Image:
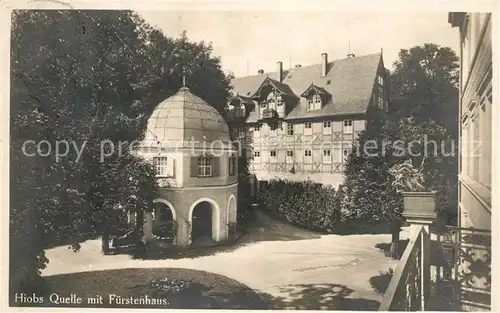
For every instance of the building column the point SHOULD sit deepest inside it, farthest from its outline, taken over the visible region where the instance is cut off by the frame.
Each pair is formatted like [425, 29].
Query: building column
[148, 226]
[182, 233]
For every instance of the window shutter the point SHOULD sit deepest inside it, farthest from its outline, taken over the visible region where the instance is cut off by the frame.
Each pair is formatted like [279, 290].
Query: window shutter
[216, 166]
[230, 165]
[235, 161]
[173, 167]
[194, 166]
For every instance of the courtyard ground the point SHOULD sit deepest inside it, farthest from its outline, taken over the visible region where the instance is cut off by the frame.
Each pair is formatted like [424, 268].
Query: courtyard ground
[287, 267]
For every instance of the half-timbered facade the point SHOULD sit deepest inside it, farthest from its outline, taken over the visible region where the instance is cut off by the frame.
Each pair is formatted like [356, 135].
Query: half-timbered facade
[301, 123]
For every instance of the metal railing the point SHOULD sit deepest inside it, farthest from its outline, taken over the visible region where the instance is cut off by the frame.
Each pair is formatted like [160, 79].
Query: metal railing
[409, 288]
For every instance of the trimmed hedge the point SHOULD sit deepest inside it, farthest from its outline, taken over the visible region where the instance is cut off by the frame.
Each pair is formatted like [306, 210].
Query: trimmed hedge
[305, 204]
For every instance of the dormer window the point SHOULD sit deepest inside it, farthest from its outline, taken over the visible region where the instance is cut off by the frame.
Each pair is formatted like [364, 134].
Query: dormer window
[310, 103]
[314, 102]
[239, 111]
[317, 102]
[316, 97]
[279, 101]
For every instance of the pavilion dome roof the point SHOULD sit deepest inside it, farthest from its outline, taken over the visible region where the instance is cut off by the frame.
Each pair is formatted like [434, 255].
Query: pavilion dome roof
[184, 118]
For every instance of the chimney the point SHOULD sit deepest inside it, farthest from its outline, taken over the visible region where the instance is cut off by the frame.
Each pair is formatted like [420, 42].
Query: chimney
[324, 64]
[279, 71]
[260, 71]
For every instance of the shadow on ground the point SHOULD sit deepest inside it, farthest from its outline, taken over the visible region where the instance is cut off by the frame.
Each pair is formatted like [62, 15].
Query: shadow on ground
[262, 228]
[386, 247]
[318, 297]
[380, 282]
[173, 288]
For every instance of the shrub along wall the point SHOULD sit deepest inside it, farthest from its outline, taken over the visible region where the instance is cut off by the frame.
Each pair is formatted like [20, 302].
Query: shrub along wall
[305, 204]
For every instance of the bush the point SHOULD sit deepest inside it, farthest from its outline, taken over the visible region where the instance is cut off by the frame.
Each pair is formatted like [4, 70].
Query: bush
[305, 204]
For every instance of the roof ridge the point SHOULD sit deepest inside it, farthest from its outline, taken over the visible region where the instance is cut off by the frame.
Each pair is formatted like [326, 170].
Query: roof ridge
[309, 65]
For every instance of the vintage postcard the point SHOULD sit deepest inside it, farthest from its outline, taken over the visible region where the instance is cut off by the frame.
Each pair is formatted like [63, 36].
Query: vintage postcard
[295, 155]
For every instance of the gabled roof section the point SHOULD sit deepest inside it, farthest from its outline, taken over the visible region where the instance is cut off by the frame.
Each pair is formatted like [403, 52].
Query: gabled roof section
[244, 100]
[349, 81]
[314, 89]
[280, 87]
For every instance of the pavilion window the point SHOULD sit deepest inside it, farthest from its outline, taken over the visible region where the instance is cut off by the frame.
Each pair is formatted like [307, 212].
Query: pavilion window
[161, 166]
[205, 166]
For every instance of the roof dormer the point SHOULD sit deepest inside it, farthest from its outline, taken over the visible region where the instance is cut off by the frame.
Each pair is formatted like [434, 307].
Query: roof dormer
[270, 85]
[316, 97]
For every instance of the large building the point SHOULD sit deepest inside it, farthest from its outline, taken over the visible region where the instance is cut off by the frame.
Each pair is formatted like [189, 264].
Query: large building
[476, 103]
[300, 123]
[189, 144]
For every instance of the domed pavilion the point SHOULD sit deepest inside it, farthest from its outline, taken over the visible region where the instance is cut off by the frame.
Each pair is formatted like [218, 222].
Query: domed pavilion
[195, 161]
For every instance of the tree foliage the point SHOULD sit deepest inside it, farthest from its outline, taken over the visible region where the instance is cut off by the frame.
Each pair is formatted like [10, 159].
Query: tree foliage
[305, 204]
[368, 194]
[424, 85]
[88, 77]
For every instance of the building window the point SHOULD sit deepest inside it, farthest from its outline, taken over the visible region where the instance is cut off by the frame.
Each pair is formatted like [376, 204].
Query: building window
[327, 124]
[273, 127]
[289, 153]
[241, 131]
[257, 128]
[279, 101]
[317, 102]
[345, 154]
[310, 103]
[232, 165]
[308, 125]
[289, 129]
[327, 156]
[256, 154]
[307, 153]
[205, 166]
[273, 153]
[347, 127]
[380, 80]
[161, 166]
[314, 102]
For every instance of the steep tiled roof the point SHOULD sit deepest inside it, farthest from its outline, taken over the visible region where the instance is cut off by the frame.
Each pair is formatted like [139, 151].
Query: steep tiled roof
[349, 81]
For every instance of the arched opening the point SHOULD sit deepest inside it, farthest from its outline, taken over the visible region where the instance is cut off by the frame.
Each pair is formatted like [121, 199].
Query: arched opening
[163, 221]
[204, 218]
[232, 214]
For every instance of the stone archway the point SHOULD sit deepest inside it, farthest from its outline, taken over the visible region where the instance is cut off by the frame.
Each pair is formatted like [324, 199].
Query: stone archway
[164, 220]
[204, 217]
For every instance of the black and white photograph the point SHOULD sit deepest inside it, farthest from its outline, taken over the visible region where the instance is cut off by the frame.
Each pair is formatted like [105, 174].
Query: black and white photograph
[298, 155]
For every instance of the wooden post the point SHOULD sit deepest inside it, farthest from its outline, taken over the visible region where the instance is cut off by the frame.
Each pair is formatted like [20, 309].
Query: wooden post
[425, 268]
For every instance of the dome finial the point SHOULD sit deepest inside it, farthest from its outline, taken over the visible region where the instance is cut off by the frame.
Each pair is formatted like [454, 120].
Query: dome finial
[184, 88]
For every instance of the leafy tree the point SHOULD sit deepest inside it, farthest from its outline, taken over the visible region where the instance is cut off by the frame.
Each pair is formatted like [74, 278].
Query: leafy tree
[367, 196]
[434, 147]
[85, 77]
[424, 85]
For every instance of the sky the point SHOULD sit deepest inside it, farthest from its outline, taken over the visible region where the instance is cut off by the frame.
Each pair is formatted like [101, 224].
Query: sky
[247, 41]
